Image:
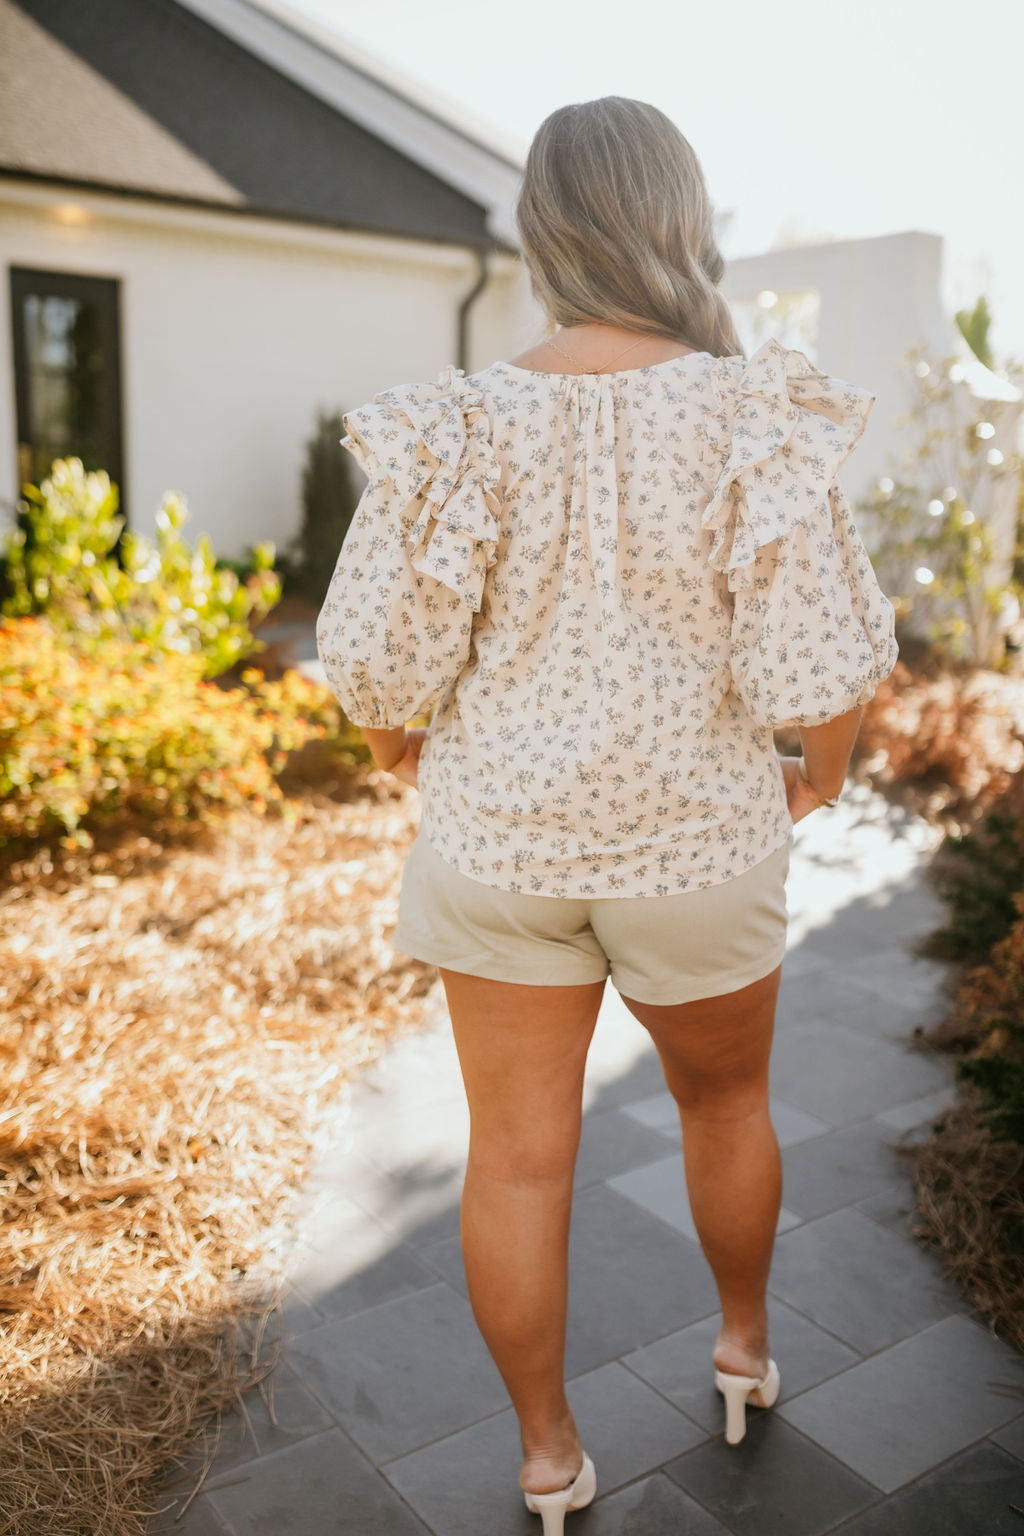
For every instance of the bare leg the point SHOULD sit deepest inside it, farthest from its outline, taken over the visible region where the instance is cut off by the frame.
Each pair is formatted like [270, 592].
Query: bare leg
[522, 1050]
[715, 1056]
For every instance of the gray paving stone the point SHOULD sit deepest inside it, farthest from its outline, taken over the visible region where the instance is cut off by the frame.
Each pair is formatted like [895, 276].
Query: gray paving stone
[339, 1172]
[1011, 1437]
[801, 959]
[899, 1414]
[641, 1078]
[612, 1142]
[445, 1258]
[200, 1519]
[347, 1261]
[661, 1113]
[444, 1224]
[859, 1281]
[842, 1075]
[309, 1489]
[296, 1314]
[840, 1167]
[972, 1495]
[403, 1373]
[794, 1125]
[418, 1065]
[631, 1278]
[919, 1112]
[660, 1188]
[654, 1507]
[774, 1483]
[894, 1207]
[417, 1205]
[917, 982]
[680, 1366]
[280, 1412]
[433, 1135]
[903, 912]
[820, 996]
[467, 1483]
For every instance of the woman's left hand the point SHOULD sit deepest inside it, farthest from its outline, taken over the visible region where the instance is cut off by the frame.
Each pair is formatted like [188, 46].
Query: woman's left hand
[407, 767]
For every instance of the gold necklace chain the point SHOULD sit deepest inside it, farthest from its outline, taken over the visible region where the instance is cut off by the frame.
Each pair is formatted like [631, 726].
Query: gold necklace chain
[607, 365]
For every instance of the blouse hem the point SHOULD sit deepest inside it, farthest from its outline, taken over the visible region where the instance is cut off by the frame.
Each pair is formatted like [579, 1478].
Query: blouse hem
[577, 895]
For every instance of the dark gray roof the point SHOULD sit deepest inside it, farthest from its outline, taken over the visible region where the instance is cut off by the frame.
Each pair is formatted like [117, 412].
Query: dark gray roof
[143, 96]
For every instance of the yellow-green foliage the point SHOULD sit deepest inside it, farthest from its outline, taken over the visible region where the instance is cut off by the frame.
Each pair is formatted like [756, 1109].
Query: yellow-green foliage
[87, 735]
[61, 561]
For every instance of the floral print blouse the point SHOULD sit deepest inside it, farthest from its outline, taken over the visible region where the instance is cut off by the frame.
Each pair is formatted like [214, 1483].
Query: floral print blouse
[614, 587]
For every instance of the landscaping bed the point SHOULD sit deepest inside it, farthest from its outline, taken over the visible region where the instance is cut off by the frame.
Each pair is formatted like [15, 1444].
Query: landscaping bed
[182, 1005]
[949, 742]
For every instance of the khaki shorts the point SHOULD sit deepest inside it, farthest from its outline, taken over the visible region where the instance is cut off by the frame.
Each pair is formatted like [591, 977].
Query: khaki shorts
[657, 949]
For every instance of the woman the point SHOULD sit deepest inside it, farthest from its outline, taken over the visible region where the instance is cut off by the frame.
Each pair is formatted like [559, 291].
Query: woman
[619, 561]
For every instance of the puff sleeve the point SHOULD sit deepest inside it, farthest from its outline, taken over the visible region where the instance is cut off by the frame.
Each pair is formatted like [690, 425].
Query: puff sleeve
[812, 633]
[394, 630]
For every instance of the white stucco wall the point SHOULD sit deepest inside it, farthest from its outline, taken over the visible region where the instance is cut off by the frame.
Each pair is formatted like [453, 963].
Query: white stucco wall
[234, 332]
[878, 299]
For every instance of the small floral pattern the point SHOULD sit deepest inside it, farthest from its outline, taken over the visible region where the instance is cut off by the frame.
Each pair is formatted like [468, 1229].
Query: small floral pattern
[614, 586]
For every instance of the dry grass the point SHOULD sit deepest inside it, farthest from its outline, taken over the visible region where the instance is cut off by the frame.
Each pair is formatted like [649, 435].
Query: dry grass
[177, 1019]
[970, 1194]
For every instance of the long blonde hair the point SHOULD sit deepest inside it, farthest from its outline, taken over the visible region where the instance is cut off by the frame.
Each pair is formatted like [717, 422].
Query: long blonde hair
[616, 225]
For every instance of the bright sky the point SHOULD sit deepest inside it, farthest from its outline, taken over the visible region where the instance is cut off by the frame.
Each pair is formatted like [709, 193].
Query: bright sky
[811, 118]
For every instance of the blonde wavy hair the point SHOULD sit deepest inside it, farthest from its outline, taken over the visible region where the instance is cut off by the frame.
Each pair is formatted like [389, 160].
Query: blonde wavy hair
[616, 225]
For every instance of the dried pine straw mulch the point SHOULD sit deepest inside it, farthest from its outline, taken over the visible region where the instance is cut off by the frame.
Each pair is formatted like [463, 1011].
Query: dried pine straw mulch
[176, 1021]
[970, 1196]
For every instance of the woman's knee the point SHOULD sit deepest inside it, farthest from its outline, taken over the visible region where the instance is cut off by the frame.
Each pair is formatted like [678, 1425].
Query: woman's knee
[724, 1104]
[525, 1160]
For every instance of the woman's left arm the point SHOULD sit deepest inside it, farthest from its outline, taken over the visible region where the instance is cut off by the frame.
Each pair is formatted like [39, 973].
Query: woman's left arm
[396, 626]
[390, 638]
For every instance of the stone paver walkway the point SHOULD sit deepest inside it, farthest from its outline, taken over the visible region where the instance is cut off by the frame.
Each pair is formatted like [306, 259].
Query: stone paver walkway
[898, 1413]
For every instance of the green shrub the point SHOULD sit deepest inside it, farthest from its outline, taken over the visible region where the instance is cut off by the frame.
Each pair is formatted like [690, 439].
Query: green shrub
[982, 874]
[329, 498]
[71, 558]
[88, 736]
[938, 558]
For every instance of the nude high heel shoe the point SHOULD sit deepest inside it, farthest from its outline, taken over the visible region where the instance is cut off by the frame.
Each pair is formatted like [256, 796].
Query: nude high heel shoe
[552, 1506]
[737, 1389]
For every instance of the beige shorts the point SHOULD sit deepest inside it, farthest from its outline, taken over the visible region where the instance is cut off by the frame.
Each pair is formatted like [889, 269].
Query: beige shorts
[657, 949]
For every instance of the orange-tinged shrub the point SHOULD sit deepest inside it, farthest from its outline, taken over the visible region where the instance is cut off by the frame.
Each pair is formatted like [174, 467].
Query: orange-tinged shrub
[86, 735]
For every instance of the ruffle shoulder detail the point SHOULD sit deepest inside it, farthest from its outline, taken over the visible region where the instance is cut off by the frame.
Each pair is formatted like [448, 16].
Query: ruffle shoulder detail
[433, 442]
[788, 428]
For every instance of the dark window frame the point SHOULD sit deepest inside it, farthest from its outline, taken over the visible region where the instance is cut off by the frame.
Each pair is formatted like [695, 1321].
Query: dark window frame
[105, 294]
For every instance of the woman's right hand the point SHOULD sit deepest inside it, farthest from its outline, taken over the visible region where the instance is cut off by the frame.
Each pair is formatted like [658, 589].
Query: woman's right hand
[800, 797]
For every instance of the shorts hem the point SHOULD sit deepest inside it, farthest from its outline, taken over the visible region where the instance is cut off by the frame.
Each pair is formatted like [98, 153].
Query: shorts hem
[485, 965]
[704, 986]
[488, 968]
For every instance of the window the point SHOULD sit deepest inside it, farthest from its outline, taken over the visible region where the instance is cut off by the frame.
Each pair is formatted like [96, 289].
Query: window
[67, 373]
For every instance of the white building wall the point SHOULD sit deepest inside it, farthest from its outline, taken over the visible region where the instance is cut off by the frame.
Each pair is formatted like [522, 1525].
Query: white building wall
[877, 299]
[235, 331]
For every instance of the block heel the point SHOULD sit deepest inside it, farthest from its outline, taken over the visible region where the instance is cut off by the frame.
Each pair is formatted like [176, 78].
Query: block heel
[737, 1390]
[552, 1507]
